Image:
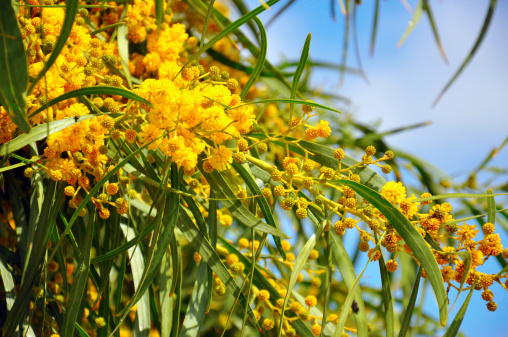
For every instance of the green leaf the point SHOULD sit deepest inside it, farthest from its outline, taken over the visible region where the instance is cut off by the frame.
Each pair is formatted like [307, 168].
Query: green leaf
[491, 207]
[103, 29]
[262, 202]
[123, 47]
[165, 297]
[483, 32]
[426, 6]
[137, 264]
[409, 310]
[209, 255]
[472, 217]
[235, 206]
[343, 261]
[8, 284]
[219, 17]
[467, 258]
[71, 10]
[95, 90]
[36, 201]
[300, 262]
[80, 283]
[287, 100]
[95, 189]
[13, 67]
[488, 195]
[412, 24]
[374, 28]
[412, 238]
[80, 330]
[387, 298]
[207, 21]
[299, 72]
[344, 311]
[177, 294]
[38, 133]
[457, 321]
[198, 305]
[45, 225]
[230, 28]
[160, 239]
[260, 62]
[159, 12]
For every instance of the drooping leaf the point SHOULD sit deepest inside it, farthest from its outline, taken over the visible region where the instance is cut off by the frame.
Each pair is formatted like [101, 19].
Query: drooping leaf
[285, 100]
[45, 225]
[409, 310]
[300, 262]
[412, 24]
[491, 207]
[343, 261]
[262, 202]
[428, 10]
[299, 72]
[209, 255]
[260, 62]
[229, 29]
[235, 206]
[79, 284]
[95, 90]
[457, 321]
[412, 238]
[197, 306]
[483, 32]
[39, 132]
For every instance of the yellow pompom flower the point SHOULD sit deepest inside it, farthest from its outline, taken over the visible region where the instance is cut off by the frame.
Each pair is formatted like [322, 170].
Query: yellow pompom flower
[394, 192]
[221, 158]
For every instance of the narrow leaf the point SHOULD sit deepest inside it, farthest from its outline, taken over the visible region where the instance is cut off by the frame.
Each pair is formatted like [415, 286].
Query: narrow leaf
[412, 238]
[299, 72]
[230, 28]
[457, 321]
[491, 207]
[95, 90]
[426, 6]
[39, 132]
[209, 255]
[386, 293]
[300, 262]
[408, 313]
[197, 306]
[260, 62]
[79, 284]
[262, 202]
[207, 21]
[483, 32]
[286, 100]
[137, 264]
[235, 206]
[343, 261]
[375, 23]
[412, 24]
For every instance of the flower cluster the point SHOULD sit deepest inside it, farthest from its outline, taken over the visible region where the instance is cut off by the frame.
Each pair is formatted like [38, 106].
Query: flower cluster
[146, 101]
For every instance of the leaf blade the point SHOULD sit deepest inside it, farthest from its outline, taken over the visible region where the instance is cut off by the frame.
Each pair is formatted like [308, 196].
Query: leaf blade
[412, 238]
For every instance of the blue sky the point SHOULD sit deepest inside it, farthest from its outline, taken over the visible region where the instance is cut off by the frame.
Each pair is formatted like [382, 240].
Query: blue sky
[469, 121]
